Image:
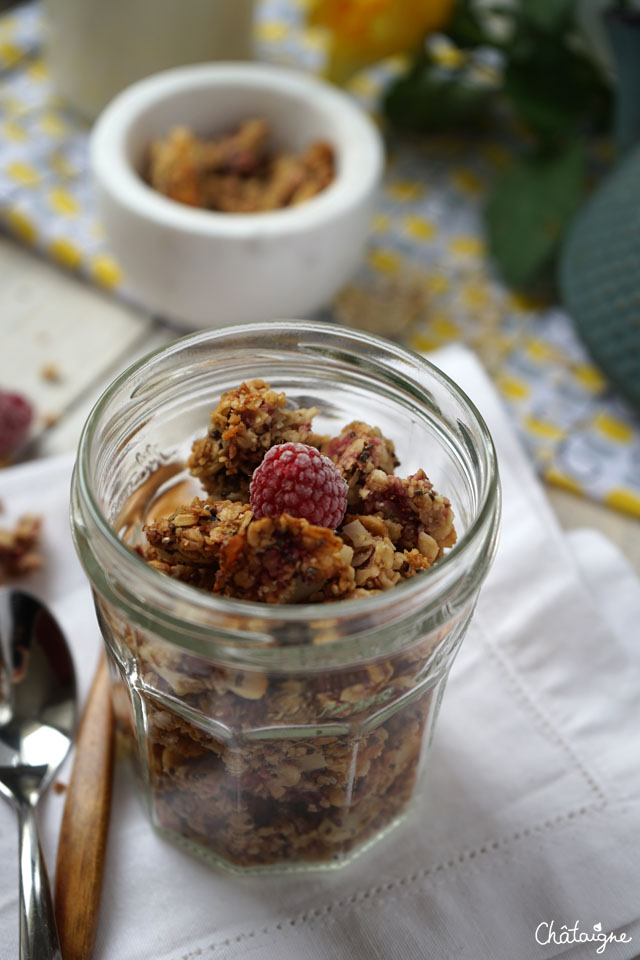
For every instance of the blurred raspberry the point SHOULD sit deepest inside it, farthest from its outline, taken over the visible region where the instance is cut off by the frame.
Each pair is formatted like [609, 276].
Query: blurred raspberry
[296, 479]
[15, 419]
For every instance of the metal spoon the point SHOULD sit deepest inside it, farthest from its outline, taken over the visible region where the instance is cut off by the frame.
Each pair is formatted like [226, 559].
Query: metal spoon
[37, 717]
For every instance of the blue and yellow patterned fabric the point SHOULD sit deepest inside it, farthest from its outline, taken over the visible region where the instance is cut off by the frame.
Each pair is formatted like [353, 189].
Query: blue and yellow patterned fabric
[426, 278]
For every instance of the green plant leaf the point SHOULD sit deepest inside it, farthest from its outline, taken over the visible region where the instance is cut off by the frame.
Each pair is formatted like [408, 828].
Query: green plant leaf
[557, 91]
[428, 99]
[465, 27]
[549, 15]
[529, 209]
[538, 100]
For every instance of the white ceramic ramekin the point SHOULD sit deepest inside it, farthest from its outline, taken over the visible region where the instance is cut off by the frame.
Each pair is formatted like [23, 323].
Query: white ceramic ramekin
[202, 268]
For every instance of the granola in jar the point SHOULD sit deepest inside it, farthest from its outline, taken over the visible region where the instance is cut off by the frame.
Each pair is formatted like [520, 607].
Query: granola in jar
[262, 766]
[395, 527]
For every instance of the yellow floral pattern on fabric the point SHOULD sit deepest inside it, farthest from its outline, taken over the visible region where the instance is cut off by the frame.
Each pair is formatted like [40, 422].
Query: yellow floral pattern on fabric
[425, 278]
[613, 428]
[65, 253]
[562, 480]
[512, 388]
[63, 202]
[23, 228]
[23, 172]
[106, 271]
[621, 499]
[420, 228]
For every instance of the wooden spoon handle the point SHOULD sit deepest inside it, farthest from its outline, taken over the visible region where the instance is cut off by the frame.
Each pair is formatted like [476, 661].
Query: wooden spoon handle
[85, 824]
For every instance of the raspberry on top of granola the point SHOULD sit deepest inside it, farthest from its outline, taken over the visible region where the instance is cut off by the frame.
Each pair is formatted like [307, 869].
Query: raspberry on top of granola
[295, 478]
[394, 529]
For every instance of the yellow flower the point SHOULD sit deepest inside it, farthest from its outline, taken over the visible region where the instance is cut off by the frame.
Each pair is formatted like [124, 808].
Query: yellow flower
[363, 31]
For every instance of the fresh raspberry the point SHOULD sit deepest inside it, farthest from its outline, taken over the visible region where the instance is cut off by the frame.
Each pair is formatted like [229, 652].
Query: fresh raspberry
[15, 419]
[296, 479]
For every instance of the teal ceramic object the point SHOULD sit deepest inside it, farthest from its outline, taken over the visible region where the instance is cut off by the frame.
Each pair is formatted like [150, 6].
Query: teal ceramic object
[600, 276]
[600, 263]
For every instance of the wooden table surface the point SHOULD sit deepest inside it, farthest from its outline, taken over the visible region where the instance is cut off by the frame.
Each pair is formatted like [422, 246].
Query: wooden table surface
[51, 321]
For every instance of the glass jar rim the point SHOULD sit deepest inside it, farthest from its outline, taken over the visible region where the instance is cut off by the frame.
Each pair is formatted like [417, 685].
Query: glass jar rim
[418, 592]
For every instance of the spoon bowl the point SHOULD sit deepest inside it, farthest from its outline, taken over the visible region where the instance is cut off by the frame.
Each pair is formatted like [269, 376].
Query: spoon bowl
[38, 706]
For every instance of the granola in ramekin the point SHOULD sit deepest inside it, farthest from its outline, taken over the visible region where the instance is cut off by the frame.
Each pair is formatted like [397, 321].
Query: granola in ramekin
[238, 172]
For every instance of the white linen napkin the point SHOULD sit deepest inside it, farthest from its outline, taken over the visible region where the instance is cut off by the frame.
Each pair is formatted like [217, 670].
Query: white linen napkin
[531, 810]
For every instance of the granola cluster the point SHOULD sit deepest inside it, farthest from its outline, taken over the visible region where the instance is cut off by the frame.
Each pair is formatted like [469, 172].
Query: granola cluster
[261, 766]
[19, 548]
[245, 424]
[395, 527]
[237, 172]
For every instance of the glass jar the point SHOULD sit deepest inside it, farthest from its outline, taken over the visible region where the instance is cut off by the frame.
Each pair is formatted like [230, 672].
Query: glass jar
[278, 736]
